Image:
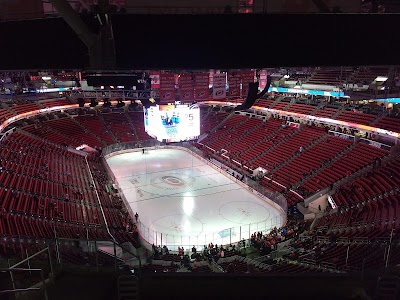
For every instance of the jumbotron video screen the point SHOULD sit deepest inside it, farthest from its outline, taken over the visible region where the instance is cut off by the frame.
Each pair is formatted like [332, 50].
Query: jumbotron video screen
[172, 123]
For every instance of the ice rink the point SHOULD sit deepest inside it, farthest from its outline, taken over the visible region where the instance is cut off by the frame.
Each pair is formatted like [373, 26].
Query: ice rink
[183, 201]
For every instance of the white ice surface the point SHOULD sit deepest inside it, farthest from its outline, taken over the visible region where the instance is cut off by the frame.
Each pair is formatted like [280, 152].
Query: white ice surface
[181, 201]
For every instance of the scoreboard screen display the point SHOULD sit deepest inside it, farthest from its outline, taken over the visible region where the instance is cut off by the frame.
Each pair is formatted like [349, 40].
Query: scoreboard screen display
[172, 123]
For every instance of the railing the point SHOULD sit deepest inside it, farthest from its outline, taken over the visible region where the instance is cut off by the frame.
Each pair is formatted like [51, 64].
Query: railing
[112, 94]
[179, 9]
[34, 113]
[224, 237]
[227, 236]
[317, 195]
[342, 135]
[375, 144]
[62, 253]
[127, 147]
[7, 133]
[15, 289]
[27, 266]
[98, 199]
[117, 253]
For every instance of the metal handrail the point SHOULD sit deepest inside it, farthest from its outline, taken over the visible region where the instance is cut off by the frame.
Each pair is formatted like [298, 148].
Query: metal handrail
[114, 244]
[19, 290]
[128, 251]
[14, 267]
[28, 258]
[19, 269]
[98, 199]
[14, 290]
[5, 134]
[131, 253]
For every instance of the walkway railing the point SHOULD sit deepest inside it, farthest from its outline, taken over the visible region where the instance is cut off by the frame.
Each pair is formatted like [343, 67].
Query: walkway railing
[62, 253]
[17, 289]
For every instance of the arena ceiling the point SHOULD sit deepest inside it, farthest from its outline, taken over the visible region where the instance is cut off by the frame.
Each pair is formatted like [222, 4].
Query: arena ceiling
[210, 41]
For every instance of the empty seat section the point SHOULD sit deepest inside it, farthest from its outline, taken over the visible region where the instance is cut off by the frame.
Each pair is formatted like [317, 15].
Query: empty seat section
[356, 117]
[97, 127]
[137, 119]
[357, 158]
[69, 128]
[120, 126]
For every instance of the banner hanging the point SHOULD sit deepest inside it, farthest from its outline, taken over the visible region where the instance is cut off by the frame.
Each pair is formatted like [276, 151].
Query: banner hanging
[247, 77]
[219, 86]
[263, 79]
[234, 85]
[167, 88]
[186, 87]
[155, 80]
[202, 88]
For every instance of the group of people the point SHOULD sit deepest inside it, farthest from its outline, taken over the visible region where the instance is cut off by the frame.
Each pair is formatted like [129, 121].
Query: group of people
[264, 242]
[159, 251]
[269, 242]
[209, 252]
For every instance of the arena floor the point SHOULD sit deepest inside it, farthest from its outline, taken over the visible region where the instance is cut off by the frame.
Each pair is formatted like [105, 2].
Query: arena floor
[183, 201]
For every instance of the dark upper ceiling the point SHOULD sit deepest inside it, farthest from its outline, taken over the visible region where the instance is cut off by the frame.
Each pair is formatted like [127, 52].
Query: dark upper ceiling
[210, 41]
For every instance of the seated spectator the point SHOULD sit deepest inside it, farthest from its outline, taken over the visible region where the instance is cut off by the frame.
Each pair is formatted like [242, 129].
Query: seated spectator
[230, 268]
[293, 256]
[165, 249]
[251, 269]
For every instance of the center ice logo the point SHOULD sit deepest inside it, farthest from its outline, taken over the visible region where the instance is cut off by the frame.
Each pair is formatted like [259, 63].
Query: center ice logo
[170, 182]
